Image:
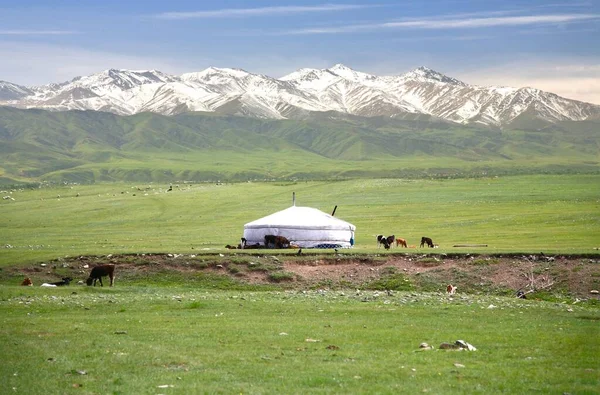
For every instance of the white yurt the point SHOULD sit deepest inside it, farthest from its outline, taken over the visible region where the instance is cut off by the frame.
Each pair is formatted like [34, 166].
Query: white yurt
[305, 227]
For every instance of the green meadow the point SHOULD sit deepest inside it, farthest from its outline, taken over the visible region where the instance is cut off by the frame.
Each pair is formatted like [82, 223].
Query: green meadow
[549, 213]
[177, 340]
[158, 335]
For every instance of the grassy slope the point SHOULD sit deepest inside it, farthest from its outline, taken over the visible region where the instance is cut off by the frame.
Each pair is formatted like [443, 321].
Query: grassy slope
[87, 146]
[554, 214]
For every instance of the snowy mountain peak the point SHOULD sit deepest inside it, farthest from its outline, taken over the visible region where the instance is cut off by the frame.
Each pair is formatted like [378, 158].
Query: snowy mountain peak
[425, 74]
[213, 73]
[340, 68]
[349, 74]
[10, 91]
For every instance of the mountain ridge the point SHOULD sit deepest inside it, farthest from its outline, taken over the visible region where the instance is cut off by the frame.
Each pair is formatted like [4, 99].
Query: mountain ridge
[95, 146]
[339, 88]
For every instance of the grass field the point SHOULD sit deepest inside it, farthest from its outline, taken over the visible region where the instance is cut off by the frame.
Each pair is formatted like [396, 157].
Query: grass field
[556, 214]
[134, 339]
[157, 334]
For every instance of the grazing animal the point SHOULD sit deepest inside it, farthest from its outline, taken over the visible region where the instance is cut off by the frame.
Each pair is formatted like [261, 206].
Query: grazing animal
[27, 282]
[401, 242]
[277, 242]
[390, 240]
[521, 295]
[243, 243]
[380, 239]
[426, 240]
[64, 281]
[101, 271]
[450, 289]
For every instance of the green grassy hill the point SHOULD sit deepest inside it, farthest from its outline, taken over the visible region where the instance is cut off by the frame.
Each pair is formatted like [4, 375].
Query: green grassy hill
[89, 146]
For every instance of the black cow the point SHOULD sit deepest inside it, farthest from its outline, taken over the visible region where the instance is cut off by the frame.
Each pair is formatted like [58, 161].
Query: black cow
[278, 242]
[101, 271]
[64, 281]
[426, 240]
[390, 240]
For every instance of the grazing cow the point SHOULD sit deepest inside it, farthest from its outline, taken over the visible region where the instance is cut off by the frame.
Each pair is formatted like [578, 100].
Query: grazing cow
[390, 240]
[383, 241]
[64, 281]
[101, 271]
[450, 289]
[277, 242]
[426, 240]
[401, 242]
[27, 282]
[521, 294]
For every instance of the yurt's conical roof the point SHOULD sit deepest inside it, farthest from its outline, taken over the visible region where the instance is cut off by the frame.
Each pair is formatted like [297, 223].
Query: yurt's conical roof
[301, 218]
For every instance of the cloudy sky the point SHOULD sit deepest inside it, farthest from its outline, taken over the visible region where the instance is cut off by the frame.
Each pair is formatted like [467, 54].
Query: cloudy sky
[550, 45]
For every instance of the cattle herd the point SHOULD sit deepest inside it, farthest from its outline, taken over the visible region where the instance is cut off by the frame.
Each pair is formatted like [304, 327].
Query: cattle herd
[389, 241]
[281, 242]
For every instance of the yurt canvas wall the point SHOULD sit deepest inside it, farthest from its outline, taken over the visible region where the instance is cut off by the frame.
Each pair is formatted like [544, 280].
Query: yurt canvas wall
[303, 226]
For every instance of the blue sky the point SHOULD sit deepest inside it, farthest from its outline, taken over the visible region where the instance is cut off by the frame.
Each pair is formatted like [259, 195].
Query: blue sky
[551, 45]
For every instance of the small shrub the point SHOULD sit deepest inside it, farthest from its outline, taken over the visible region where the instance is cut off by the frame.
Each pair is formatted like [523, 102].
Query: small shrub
[194, 305]
[200, 265]
[429, 262]
[390, 270]
[483, 262]
[262, 267]
[281, 276]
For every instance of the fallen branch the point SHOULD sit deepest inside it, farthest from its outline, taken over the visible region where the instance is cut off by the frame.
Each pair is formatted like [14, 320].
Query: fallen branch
[536, 283]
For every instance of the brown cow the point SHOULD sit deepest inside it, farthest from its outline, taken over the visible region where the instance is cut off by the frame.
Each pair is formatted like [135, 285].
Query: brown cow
[27, 282]
[401, 242]
[101, 271]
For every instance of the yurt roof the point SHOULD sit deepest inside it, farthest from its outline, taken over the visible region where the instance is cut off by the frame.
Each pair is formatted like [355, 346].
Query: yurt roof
[296, 217]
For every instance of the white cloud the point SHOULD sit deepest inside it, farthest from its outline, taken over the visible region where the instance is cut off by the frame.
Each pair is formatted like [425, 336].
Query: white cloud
[444, 22]
[261, 11]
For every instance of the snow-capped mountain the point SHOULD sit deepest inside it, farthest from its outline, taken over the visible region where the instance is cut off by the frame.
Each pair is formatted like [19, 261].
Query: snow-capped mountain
[9, 91]
[339, 88]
